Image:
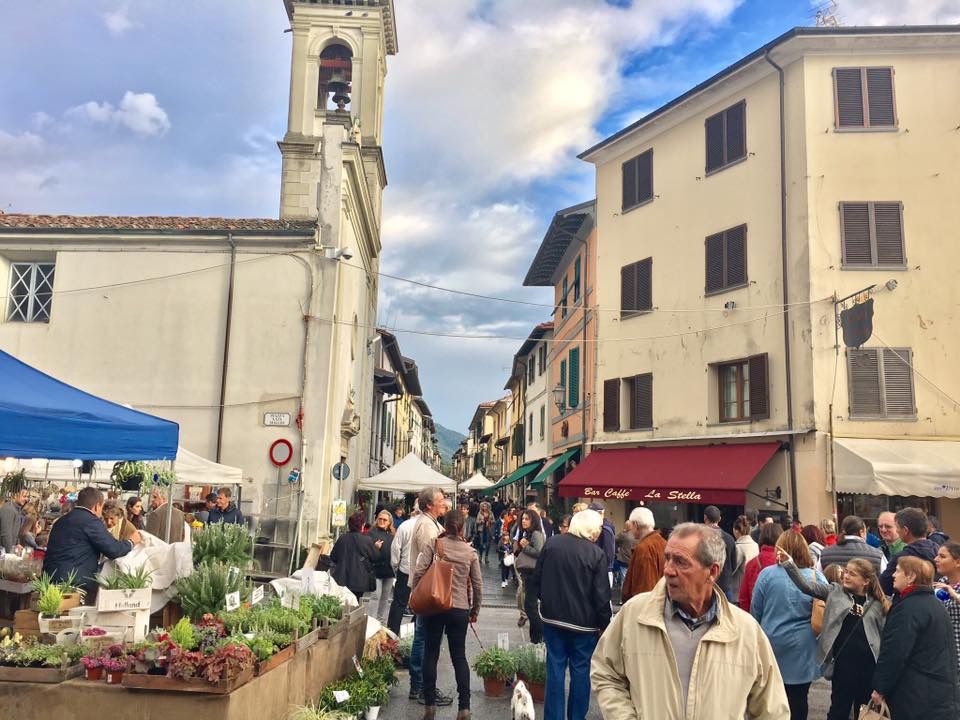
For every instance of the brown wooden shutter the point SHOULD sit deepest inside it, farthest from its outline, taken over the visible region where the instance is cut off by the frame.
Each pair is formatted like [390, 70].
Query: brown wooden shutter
[898, 383]
[855, 234]
[645, 284]
[611, 405]
[880, 97]
[645, 176]
[714, 141]
[865, 397]
[628, 290]
[736, 132]
[736, 256]
[630, 183]
[714, 262]
[848, 91]
[759, 387]
[641, 410]
[888, 228]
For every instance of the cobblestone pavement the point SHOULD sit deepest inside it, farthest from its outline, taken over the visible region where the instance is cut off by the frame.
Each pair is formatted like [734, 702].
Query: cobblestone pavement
[499, 615]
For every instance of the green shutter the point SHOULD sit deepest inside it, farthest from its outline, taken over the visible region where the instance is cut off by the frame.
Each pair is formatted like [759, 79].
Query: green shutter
[573, 391]
[563, 298]
[576, 280]
[563, 373]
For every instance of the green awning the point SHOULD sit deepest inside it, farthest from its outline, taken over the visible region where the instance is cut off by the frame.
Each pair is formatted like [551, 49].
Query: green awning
[550, 468]
[516, 476]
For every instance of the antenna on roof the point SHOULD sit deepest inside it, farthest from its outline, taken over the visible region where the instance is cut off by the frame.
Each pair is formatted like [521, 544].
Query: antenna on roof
[827, 14]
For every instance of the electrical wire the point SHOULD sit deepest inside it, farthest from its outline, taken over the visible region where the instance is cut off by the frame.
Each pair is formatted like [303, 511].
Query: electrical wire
[213, 407]
[917, 372]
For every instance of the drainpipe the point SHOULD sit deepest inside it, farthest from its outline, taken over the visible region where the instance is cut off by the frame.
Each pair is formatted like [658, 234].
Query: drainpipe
[785, 280]
[226, 344]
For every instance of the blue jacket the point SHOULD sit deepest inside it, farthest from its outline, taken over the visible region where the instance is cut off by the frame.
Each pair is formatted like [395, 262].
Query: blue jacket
[77, 540]
[607, 541]
[784, 614]
[231, 516]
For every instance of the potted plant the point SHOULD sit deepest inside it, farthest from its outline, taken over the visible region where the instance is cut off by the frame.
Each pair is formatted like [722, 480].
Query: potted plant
[377, 694]
[532, 669]
[495, 666]
[114, 667]
[92, 667]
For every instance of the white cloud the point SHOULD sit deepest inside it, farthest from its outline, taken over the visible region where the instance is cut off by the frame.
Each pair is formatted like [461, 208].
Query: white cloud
[139, 112]
[26, 145]
[898, 12]
[41, 120]
[118, 22]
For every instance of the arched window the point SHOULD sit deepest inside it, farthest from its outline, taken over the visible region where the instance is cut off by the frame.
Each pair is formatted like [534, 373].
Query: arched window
[336, 71]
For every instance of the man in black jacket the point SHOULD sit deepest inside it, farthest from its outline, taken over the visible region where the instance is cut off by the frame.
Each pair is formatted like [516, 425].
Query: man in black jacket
[78, 539]
[711, 518]
[912, 528]
[574, 591]
[225, 511]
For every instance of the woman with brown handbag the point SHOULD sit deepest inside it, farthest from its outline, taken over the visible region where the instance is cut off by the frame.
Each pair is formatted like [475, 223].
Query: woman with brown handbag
[467, 592]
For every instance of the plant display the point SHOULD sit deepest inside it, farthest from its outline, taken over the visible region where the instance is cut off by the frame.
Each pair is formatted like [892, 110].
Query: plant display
[137, 580]
[115, 664]
[49, 601]
[185, 665]
[44, 582]
[210, 630]
[315, 712]
[93, 632]
[404, 650]
[183, 635]
[149, 657]
[364, 694]
[224, 543]
[134, 475]
[326, 607]
[495, 664]
[382, 669]
[270, 615]
[204, 591]
[13, 482]
[33, 654]
[91, 662]
[227, 662]
[531, 663]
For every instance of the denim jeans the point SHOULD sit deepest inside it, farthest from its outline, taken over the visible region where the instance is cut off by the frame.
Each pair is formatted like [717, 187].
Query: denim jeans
[566, 648]
[416, 652]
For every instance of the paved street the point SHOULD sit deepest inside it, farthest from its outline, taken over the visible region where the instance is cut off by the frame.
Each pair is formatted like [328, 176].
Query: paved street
[499, 616]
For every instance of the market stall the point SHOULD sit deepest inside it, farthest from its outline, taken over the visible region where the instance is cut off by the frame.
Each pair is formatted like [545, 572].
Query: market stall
[410, 475]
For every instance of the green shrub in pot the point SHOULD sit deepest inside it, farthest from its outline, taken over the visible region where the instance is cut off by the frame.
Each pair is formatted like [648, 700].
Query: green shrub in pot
[531, 663]
[495, 664]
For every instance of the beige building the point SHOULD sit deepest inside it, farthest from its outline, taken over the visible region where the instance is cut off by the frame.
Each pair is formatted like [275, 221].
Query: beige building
[729, 222]
[244, 331]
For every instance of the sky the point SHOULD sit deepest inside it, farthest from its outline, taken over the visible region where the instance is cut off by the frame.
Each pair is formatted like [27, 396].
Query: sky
[156, 107]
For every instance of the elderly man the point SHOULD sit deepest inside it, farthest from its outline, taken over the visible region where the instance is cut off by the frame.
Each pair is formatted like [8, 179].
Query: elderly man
[890, 542]
[11, 518]
[157, 519]
[912, 528]
[570, 581]
[646, 561]
[644, 664]
[77, 541]
[426, 529]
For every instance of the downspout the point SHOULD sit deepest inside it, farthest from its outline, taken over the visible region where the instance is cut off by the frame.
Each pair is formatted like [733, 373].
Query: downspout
[791, 449]
[226, 344]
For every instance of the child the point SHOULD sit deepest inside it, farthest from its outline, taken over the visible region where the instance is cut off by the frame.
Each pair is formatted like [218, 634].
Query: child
[504, 547]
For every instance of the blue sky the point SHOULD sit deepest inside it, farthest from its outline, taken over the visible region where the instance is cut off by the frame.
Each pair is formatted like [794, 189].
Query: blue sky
[173, 108]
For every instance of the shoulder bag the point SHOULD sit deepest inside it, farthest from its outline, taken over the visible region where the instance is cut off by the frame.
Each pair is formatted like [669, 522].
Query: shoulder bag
[816, 611]
[434, 591]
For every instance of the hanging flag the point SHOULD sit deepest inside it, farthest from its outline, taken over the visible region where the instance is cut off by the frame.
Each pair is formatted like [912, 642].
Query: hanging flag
[857, 323]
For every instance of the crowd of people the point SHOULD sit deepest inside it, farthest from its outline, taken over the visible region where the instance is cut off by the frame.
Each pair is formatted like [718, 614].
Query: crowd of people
[73, 532]
[710, 624]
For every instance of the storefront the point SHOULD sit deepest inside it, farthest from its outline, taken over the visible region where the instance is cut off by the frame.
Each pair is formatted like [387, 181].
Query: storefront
[874, 476]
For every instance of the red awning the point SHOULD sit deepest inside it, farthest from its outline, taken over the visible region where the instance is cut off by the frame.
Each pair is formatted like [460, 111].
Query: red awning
[705, 474]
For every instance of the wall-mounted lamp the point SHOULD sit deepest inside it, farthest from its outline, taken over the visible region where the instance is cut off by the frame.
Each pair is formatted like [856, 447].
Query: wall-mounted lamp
[559, 396]
[891, 284]
[337, 253]
[730, 305]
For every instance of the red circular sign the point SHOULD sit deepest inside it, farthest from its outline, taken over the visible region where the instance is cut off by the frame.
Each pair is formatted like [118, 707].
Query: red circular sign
[281, 452]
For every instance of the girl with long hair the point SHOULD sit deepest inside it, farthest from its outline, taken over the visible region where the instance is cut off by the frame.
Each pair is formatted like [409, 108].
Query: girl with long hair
[849, 641]
[527, 550]
[948, 567]
[135, 512]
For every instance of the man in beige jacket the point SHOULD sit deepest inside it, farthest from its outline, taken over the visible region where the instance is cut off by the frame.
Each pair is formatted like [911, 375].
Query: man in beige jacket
[682, 651]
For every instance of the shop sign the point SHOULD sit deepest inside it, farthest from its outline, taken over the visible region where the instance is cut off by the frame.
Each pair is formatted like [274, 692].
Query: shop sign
[651, 494]
[339, 513]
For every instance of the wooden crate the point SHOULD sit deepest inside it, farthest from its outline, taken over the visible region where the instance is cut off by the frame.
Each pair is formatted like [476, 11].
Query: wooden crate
[327, 631]
[307, 640]
[40, 675]
[276, 659]
[134, 681]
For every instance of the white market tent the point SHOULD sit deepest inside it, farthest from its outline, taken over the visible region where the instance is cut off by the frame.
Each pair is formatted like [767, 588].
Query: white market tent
[410, 475]
[476, 482]
[192, 469]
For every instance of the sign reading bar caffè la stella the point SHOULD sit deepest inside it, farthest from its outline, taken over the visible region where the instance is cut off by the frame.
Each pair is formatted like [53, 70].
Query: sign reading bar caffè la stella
[645, 494]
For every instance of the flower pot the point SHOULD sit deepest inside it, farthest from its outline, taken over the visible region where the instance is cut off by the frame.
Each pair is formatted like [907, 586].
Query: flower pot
[114, 678]
[537, 689]
[93, 673]
[372, 712]
[494, 688]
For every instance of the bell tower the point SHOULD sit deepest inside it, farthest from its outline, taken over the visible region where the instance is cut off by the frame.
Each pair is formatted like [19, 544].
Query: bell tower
[337, 72]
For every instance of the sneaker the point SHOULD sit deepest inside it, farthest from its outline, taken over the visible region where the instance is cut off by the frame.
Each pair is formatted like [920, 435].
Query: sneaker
[415, 693]
[440, 701]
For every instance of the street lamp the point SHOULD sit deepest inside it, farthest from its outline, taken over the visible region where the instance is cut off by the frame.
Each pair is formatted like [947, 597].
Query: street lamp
[559, 395]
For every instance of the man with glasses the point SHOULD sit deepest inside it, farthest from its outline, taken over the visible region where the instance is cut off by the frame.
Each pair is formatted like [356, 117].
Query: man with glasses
[890, 542]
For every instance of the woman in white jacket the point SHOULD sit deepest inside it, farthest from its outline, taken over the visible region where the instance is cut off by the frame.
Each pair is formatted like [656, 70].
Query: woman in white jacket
[747, 550]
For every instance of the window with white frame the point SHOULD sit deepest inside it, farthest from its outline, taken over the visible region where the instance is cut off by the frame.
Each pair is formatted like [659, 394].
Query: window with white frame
[31, 292]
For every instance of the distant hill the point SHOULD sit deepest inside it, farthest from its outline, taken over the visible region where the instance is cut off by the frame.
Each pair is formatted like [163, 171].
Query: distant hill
[449, 441]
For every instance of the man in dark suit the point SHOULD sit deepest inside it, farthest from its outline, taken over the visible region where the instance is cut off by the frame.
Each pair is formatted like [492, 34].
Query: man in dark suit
[78, 539]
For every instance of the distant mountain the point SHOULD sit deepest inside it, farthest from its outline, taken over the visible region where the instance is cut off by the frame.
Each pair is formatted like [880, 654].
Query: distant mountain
[449, 441]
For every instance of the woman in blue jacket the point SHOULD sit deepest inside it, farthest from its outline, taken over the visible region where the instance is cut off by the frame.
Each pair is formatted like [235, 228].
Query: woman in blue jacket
[783, 612]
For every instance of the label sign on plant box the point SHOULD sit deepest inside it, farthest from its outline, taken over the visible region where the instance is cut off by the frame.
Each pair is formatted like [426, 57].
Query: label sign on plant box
[503, 641]
[233, 601]
[341, 696]
[257, 595]
[117, 600]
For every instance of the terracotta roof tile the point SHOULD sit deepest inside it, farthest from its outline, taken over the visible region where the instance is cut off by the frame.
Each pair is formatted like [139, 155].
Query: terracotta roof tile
[140, 223]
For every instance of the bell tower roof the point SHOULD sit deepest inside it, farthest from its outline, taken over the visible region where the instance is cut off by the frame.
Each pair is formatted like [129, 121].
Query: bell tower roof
[386, 8]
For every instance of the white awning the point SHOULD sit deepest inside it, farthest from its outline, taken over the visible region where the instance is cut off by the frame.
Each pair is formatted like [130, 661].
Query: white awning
[410, 475]
[925, 468]
[476, 482]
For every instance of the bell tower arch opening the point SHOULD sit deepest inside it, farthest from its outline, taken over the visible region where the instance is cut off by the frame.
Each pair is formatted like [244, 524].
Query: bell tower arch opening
[336, 77]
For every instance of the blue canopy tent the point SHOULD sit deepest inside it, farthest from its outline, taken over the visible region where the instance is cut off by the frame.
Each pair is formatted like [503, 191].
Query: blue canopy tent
[42, 417]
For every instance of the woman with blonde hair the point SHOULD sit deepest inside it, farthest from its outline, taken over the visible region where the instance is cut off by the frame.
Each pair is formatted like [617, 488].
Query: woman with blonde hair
[382, 569]
[783, 612]
[916, 670]
[849, 641]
